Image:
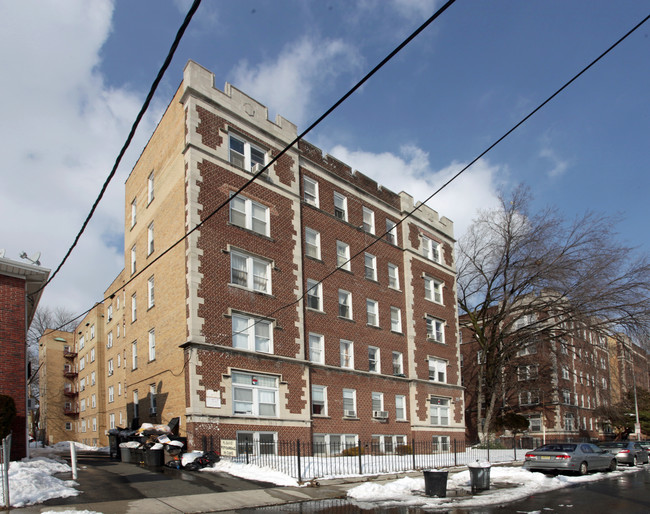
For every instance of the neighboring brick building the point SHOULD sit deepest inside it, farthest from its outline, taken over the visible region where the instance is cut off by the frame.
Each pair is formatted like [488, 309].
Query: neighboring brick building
[18, 302]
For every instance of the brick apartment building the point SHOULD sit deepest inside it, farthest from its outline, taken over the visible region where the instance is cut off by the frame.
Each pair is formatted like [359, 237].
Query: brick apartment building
[18, 301]
[232, 331]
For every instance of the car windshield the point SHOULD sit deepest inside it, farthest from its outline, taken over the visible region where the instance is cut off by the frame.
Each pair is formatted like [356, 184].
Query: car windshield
[556, 448]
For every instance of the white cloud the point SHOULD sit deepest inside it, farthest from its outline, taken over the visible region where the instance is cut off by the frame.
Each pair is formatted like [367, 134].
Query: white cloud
[559, 166]
[411, 172]
[415, 9]
[288, 84]
[60, 132]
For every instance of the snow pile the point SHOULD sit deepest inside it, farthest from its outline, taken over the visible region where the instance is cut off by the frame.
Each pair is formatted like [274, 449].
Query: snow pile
[31, 481]
[252, 472]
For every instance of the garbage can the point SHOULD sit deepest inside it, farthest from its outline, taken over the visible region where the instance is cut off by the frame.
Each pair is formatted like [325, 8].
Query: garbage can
[113, 441]
[479, 476]
[153, 458]
[125, 453]
[435, 483]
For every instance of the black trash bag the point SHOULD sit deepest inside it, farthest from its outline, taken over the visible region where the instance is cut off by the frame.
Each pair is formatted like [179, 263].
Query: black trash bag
[207, 459]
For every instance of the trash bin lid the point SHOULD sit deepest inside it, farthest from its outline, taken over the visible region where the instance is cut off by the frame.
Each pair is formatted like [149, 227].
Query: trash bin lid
[477, 464]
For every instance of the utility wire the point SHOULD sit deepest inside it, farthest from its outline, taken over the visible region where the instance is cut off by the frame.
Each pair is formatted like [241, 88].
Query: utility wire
[145, 106]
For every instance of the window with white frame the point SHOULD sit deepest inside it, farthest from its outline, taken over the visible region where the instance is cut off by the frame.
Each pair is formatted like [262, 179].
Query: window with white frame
[253, 334]
[319, 400]
[133, 212]
[94, 424]
[393, 276]
[68, 425]
[377, 400]
[133, 260]
[93, 401]
[340, 206]
[92, 355]
[437, 370]
[150, 293]
[119, 359]
[368, 220]
[92, 332]
[439, 411]
[111, 394]
[134, 355]
[150, 190]
[111, 421]
[372, 312]
[250, 215]
[350, 403]
[400, 407]
[312, 243]
[535, 423]
[134, 307]
[569, 421]
[566, 397]
[345, 304]
[109, 313]
[374, 364]
[435, 329]
[433, 289]
[565, 373]
[333, 444]
[82, 363]
[528, 348]
[347, 354]
[152, 399]
[316, 353]
[83, 405]
[82, 384]
[527, 372]
[253, 273]
[254, 395]
[119, 389]
[440, 443]
[431, 249]
[152, 345]
[83, 425]
[398, 363]
[110, 367]
[396, 319]
[109, 340]
[150, 239]
[391, 231]
[370, 265]
[310, 191]
[528, 397]
[343, 255]
[82, 342]
[245, 155]
[136, 404]
[314, 295]
[93, 378]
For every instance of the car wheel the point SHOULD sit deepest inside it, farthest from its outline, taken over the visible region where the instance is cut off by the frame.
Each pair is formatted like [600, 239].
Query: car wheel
[612, 465]
[582, 470]
[634, 462]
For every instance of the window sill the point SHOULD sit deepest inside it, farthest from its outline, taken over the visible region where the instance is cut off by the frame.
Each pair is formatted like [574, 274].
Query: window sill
[398, 332]
[312, 258]
[343, 318]
[374, 280]
[431, 340]
[373, 326]
[321, 416]
[242, 288]
[350, 418]
[252, 232]
[317, 311]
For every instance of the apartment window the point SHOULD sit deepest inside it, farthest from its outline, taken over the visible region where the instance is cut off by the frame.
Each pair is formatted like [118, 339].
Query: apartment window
[254, 395]
[82, 342]
[150, 188]
[310, 191]
[347, 354]
[250, 272]
[111, 421]
[372, 312]
[377, 400]
[400, 407]
[393, 276]
[568, 422]
[396, 319]
[398, 363]
[534, 423]
[566, 397]
[133, 264]
[92, 332]
[437, 370]
[340, 206]
[93, 378]
[430, 249]
[528, 372]
[150, 291]
[82, 363]
[152, 345]
[350, 403]
[150, 245]
[433, 289]
[245, 155]
[439, 411]
[109, 313]
[250, 215]
[94, 424]
[83, 405]
[312, 243]
[119, 389]
[110, 367]
[528, 397]
[319, 400]
[441, 443]
[345, 304]
[314, 295]
[253, 334]
[111, 394]
[83, 425]
[136, 404]
[133, 213]
[109, 340]
[152, 399]
[370, 263]
[368, 220]
[93, 401]
[119, 360]
[92, 355]
[374, 365]
[391, 231]
[343, 255]
[134, 355]
[435, 329]
[68, 425]
[528, 348]
[316, 348]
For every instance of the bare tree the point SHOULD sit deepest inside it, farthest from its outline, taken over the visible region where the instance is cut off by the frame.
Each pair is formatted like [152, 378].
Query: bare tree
[524, 276]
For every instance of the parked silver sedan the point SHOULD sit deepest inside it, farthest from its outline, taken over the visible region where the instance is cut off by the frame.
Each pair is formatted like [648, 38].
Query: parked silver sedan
[573, 457]
[627, 452]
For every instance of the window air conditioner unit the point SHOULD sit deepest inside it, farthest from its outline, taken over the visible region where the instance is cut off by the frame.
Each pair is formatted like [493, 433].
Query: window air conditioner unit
[350, 413]
[257, 168]
[380, 414]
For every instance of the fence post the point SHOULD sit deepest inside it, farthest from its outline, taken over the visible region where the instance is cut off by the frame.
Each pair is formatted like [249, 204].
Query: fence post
[73, 459]
[455, 454]
[413, 451]
[298, 455]
[515, 446]
[360, 463]
[6, 457]
[488, 447]
[247, 450]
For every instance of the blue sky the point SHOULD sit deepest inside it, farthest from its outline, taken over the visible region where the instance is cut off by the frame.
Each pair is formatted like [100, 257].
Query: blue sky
[76, 73]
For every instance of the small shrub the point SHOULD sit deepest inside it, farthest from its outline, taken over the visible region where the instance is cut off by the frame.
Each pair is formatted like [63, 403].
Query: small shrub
[7, 414]
[494, 445]
[404, 449]
[351, 452]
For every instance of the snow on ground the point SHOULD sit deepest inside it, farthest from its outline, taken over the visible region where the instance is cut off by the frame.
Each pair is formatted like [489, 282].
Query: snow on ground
[507, 484]
[31, 481]
[251, 472]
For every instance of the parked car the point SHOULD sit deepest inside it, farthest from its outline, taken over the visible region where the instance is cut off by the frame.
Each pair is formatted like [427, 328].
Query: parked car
[646, 446]
[627, 452]
[573, 457]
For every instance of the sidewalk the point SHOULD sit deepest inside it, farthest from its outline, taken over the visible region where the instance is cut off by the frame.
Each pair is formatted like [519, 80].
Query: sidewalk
[110, 486]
